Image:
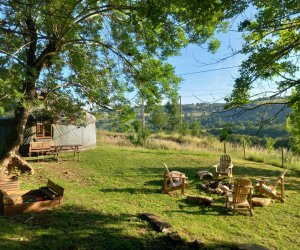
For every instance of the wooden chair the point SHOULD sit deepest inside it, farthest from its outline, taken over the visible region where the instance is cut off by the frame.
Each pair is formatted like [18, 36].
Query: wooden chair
[224, 168]
[173, 180]
[240, 198]
[264, 189]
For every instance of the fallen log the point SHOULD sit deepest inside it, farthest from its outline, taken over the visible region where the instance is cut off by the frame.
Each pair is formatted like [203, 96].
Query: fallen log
[158, 222]
[173, 236]
[200, 200]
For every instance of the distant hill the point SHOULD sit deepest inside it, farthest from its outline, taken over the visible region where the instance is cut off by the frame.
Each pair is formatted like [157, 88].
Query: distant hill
[242, 121]
[213, 119]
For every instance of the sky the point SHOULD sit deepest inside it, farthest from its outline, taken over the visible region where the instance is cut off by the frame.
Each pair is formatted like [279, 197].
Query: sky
[204, 78]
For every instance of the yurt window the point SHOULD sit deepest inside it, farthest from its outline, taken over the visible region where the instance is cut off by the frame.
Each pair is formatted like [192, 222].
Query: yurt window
[43, 129]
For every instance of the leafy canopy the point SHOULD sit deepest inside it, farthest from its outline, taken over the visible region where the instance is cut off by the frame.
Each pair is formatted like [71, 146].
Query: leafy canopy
[271, 44]
[272, 47]
[72, 54]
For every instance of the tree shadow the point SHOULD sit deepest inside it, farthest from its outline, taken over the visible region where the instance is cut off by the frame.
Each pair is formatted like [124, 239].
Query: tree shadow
[130, 190]
[216, 208]
[155, 183]
[73, 227]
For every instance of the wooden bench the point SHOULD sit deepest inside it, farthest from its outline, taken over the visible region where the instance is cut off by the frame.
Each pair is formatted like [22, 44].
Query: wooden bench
[15, 202]
[9, 183]
[40, 147]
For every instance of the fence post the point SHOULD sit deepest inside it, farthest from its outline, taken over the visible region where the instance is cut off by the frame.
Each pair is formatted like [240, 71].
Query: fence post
[282, 159]
[224, 147]
[244, 146]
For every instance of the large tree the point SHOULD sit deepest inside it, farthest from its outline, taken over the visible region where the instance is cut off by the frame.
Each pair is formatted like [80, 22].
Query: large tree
[271, 46]
[79, 53]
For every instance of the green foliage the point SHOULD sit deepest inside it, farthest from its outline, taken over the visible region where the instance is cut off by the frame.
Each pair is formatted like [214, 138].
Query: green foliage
[225, 133]
[159, 118]
[173, 114]
[70, 55]
[271, 44]
[195, 128]
[270, 142]
[293, 126]
[92, 53]
[184, 130]
[141, 133]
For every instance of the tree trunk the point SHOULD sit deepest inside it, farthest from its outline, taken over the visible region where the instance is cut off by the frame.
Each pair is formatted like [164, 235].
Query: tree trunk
[10, 157]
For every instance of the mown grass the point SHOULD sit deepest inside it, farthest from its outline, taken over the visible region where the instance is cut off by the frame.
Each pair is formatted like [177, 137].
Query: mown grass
[208, 144]
[110, 185]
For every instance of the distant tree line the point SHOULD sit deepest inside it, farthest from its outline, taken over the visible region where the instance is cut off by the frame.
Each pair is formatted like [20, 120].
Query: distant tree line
[200, 119]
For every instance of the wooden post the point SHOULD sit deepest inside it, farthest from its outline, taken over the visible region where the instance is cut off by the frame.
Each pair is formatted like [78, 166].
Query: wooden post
[180, 112]
[244, 146]
[224, 147]
[282, 158]
[143, 114]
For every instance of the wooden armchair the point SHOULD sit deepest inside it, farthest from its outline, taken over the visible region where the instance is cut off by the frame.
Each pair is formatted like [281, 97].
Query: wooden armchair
[240, 198]
[173, 180]
[264, 189]
[224, 168]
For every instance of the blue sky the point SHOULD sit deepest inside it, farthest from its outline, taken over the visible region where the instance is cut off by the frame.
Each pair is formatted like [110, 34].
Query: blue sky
[217, 83]
[218, 80]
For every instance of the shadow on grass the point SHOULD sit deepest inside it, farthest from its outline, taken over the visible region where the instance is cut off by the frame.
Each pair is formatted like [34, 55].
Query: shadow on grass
[214, 209]
[74, 227]
[40, 159]
[130, 190]
[191, 172]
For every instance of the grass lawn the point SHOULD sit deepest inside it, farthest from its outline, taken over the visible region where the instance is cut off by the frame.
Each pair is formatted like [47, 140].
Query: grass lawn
[110, 185]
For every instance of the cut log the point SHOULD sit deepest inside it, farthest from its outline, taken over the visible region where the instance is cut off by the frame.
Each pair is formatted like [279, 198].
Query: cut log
[158, 222]
[174, 237]
[200, 200]
[261, 202]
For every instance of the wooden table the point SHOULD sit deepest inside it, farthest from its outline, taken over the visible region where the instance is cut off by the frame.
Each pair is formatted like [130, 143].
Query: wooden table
[67, 147]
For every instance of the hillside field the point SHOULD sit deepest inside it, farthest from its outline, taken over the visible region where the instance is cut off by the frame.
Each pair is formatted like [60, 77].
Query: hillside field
[110, 185]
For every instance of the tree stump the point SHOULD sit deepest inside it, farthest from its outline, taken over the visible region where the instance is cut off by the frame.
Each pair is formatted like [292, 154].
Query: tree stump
[16, 161]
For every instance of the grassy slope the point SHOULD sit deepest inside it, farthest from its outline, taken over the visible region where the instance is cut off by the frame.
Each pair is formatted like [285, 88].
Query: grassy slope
[110, 185]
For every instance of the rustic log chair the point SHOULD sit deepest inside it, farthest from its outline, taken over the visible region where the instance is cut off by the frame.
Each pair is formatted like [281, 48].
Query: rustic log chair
[240, 198]
[224, 168]
[264, 189]
[173, 180]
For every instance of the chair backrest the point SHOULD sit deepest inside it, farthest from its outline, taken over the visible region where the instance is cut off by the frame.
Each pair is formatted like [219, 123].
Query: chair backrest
[242, 188]
[279, 179]
[281, 176]
[167, 172]
[225, 162]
